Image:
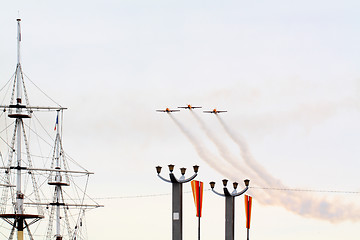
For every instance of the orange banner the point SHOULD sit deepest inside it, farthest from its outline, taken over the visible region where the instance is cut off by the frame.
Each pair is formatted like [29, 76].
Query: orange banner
[248, 204]
[197, 189]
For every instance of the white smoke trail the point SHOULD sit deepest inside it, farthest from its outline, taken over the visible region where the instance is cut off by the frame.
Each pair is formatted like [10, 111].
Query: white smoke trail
[248, 158]
[203, 152]
[238, 168]
[222, 149]
[225, 153]
[303, 204]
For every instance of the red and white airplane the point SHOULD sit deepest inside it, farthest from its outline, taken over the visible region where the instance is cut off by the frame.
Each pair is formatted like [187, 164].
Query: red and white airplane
[189, 107]
[167, 110]
[214, 111]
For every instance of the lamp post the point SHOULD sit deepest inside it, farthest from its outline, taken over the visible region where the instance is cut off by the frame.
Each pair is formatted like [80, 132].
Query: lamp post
[177, 197]
[230, 205]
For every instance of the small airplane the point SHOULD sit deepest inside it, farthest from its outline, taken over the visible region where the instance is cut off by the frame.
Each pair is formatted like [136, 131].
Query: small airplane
[189, 107]
[167, 110]
[214, 111]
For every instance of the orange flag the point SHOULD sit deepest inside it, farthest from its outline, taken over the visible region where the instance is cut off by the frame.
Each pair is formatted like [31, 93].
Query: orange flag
[197, 189]
[248, 203]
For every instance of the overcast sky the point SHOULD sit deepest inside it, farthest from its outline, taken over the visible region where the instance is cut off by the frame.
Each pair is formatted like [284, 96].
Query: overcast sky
[287, 72]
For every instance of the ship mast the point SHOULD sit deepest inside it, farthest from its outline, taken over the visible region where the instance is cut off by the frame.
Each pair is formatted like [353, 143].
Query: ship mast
[19, 195]
[18, 65]
[20, 171]
[19, 217]
[58, 183]
[58, 179]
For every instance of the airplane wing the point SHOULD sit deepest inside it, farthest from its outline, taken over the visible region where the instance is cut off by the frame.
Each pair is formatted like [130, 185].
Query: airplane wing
[168, 110]
[220, 111]
[189, 107]
[208, 111]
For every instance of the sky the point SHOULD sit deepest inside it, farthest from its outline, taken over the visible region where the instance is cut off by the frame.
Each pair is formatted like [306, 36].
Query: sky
[287, 72]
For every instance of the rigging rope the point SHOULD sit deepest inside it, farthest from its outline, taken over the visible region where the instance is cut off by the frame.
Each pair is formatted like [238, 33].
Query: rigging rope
[81, 208]
[6, 84]
[42, 91]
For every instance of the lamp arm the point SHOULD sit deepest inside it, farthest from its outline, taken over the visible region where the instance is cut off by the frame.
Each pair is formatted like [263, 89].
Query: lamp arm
[222, 195]
[189, 179]
[164, 179]
[226, 192]
[240, 193]
[173, 179]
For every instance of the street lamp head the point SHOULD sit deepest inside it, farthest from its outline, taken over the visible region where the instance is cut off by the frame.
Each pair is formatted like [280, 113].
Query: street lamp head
[212, 185]
[235, 184]
[246, 181]
[225, 182]
[183, 170]
[158, 169]
[196, 168]
[171, 167]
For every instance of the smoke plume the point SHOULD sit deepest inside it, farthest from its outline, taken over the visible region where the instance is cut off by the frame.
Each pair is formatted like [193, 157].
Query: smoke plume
[204, 153]
[302, 203]
[235, 162]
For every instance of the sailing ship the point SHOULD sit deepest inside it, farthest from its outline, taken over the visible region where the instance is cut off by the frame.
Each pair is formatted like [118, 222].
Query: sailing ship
[43, 190]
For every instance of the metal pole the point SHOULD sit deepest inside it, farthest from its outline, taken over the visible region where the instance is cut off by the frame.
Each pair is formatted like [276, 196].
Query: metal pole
[177, 211]
[199, 210]
[199, 229]
[248, 233]
[177, 198]
[229, 217]
[230, 206]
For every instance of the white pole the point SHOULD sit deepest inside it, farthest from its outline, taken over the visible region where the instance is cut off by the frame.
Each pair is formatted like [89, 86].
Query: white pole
[58, 178]
[19, 198]
[19, 194]
[18, 67]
